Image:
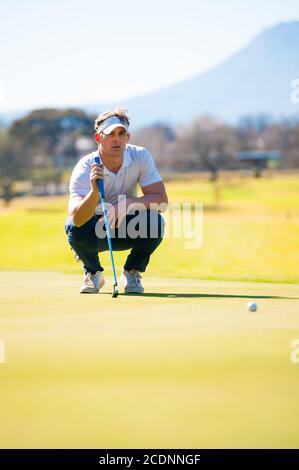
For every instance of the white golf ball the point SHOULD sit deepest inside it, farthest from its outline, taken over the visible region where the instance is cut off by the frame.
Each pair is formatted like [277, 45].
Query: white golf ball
[252, 306]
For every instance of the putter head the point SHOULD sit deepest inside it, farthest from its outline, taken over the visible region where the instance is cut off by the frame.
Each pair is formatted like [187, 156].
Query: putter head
[115, 291]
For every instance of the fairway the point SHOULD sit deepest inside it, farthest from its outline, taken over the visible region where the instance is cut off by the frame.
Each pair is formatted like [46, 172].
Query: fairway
[185, 365]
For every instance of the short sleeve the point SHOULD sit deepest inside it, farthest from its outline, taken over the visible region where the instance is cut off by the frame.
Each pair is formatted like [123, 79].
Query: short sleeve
[149, 173]
[80, 179]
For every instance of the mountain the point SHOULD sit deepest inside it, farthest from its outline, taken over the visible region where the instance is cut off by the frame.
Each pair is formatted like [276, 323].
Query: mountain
[255, 80]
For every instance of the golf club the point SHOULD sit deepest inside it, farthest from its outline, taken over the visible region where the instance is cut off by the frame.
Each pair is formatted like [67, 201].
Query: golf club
[103, 202]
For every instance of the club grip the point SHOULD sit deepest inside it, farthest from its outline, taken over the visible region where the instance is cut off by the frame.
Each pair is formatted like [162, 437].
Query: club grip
[100, 182]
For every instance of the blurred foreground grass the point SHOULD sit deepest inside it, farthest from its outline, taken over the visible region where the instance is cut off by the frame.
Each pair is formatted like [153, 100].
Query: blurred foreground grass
[253, 236]
[184, 366]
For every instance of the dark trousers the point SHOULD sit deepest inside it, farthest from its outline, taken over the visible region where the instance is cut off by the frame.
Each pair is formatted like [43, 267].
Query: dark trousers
[146, 237]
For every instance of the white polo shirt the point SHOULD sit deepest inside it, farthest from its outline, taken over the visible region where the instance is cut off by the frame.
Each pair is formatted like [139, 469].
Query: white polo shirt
[138, 166]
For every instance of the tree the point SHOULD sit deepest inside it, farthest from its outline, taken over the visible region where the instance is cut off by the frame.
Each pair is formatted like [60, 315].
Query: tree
[45, 132]
[291, 148]
[258, 122]
[212, 146]
[213, 143]
[159, 139]
[13, 166]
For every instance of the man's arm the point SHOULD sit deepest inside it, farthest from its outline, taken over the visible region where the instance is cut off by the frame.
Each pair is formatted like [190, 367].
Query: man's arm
[81, 209]
[152, 194]
[154, 197]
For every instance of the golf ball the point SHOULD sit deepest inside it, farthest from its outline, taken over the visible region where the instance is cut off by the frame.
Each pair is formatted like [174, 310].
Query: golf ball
[252, 306]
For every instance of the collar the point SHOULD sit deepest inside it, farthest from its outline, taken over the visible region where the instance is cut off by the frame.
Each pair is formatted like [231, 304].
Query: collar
[127, 160]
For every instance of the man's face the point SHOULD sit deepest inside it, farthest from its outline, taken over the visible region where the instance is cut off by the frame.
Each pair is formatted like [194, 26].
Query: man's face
[114, 144]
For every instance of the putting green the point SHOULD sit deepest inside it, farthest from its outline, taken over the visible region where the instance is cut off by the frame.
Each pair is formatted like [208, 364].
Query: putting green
[185, 365]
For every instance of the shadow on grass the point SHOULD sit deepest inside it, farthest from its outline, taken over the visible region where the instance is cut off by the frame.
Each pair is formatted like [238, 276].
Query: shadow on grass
[213, 296]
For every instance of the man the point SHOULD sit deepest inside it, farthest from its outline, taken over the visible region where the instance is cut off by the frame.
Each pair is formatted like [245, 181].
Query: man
[123, 166]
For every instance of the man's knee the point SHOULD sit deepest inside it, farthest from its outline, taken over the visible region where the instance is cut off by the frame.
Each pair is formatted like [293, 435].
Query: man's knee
[146, 225]
[82, 234]
[71, 229]
[155, 224]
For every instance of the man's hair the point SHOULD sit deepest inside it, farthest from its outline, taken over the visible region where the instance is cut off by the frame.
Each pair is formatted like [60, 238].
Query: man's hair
[119, 112]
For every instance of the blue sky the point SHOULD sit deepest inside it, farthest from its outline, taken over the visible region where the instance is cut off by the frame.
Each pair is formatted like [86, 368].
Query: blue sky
[62, 52]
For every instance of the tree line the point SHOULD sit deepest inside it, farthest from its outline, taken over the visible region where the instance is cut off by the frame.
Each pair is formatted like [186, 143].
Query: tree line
[40, 147]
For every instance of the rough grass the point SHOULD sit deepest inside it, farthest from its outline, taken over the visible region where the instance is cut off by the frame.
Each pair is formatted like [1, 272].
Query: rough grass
[253, 236]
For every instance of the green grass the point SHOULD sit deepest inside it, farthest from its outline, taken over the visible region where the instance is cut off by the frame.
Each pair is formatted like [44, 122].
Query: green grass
[184, 366]
[274, 194]
[254, 236]
[187, 365]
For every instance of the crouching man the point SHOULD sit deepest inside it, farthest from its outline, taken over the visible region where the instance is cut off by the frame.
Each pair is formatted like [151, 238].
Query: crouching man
[135, 222]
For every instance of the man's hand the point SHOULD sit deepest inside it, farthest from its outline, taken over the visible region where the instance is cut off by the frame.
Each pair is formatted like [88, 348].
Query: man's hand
[97, 172]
